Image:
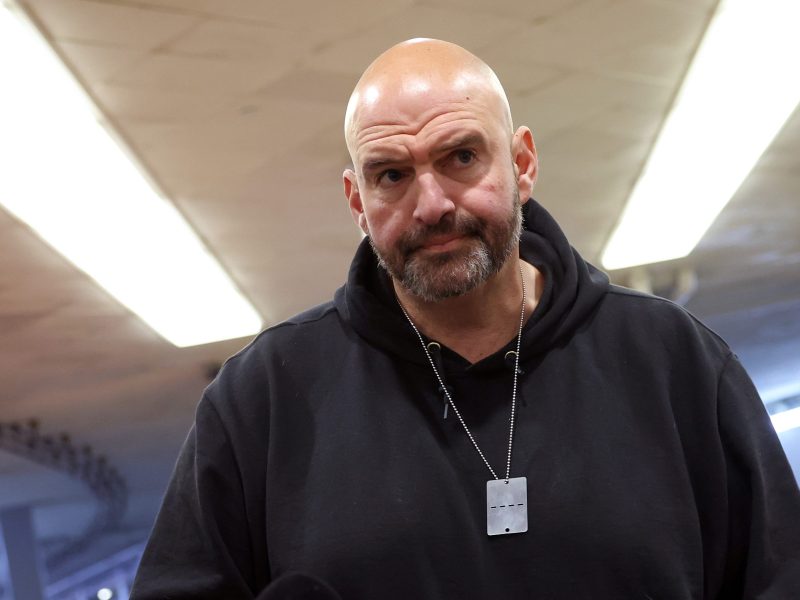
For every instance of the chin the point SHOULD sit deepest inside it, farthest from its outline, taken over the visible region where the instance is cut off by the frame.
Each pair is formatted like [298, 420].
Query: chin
[447, 275]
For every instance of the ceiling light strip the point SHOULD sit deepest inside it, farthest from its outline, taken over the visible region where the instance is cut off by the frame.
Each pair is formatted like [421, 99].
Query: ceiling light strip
[68, 178]
[738, 92]
[786, 420]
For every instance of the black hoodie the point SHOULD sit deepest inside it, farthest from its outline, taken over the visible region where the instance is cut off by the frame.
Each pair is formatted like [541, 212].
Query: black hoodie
[322, 461]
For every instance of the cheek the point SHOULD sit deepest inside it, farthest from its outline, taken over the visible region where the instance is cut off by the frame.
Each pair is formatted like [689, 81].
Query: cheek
[498, 180]
[491, 194]
[385, 226]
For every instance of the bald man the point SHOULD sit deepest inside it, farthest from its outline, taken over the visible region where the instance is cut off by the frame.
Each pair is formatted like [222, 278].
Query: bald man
[477, 413]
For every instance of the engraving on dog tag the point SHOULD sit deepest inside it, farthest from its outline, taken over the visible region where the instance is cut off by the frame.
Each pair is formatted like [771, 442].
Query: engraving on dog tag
[507, 506]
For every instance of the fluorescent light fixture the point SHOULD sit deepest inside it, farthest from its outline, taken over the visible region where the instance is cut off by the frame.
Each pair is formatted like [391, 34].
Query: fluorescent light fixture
[786, 420]
[66, 176]
[739, 91]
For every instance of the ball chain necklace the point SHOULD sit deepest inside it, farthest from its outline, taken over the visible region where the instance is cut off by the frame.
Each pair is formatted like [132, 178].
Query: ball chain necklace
[506, 499]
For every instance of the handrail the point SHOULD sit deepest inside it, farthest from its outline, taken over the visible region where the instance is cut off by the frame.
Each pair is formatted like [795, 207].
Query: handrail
[59, 453]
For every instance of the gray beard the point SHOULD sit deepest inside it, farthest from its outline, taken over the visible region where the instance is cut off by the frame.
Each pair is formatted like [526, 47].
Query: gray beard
[455, 273]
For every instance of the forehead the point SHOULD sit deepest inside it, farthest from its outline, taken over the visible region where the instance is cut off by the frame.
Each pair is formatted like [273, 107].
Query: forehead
[424, 116]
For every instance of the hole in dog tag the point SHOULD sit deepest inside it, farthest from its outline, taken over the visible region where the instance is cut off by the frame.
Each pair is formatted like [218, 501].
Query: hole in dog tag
[507, 506]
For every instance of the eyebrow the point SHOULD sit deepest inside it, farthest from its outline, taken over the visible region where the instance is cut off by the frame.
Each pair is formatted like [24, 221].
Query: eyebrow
[460, 141]
[468, 139]
[378, 163]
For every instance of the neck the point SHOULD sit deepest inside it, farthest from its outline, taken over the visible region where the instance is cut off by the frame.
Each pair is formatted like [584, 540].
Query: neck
[482, 321]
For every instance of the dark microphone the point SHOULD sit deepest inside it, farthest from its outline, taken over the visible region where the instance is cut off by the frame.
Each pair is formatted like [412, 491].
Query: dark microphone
[298, 586]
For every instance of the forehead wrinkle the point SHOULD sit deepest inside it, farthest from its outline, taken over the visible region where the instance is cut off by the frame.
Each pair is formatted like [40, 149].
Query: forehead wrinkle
[391, 151]
[380, 131]
[413, 121]
[394, 134]
[396, 152]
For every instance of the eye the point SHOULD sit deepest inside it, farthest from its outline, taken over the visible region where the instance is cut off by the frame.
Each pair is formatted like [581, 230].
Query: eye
[390, 176]
[463, 157]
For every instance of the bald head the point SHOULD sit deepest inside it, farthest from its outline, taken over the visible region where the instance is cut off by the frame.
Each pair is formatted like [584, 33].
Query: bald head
[410, 79]
[429, 132]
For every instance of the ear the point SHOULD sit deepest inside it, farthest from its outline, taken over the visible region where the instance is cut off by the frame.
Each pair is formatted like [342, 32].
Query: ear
[354, 199]
[526, 163]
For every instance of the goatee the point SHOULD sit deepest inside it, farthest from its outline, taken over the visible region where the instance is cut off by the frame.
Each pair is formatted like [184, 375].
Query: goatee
[483, 250]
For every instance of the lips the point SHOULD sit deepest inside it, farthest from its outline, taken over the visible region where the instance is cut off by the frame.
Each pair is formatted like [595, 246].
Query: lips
[442, 242]
[442, 237]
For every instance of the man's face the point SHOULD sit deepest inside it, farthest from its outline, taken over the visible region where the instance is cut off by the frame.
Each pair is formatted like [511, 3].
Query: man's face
[433, 271]
[437, 191]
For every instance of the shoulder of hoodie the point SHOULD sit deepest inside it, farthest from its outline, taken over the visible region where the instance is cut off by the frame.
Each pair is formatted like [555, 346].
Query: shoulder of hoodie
[236, 407]
[665, 317]
[237, 392]
[315, 323]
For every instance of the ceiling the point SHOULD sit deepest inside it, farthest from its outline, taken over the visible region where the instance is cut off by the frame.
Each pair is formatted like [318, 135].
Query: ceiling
[235, 109]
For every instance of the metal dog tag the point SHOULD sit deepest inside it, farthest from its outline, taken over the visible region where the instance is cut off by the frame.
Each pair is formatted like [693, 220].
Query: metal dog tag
[507, 506]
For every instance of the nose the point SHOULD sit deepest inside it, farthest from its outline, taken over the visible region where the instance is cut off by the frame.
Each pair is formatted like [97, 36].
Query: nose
[433, 203]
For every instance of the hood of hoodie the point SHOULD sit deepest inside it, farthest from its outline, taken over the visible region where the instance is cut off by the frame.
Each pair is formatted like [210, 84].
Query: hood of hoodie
[572, 290]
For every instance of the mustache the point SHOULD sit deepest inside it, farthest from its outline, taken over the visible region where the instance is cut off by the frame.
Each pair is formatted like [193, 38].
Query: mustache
[463, 225]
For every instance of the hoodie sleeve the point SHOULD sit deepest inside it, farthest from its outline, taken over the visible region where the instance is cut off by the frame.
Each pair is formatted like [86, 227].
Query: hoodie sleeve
[763, 553]
[202, 543]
